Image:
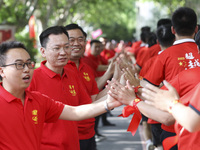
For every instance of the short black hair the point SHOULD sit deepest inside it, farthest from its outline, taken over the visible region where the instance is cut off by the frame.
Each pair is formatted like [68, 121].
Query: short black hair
[165, 36]
[145, 29]
[56, 30]
[94, 41]
[184, 21]
[164, 21]
[5, 46]
[75, 26]
[152, 39]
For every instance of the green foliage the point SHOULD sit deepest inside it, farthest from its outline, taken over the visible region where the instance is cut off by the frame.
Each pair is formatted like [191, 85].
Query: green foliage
[29, 43]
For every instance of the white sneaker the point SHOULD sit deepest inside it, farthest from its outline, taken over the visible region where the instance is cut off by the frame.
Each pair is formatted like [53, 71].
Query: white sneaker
[99, 138]
[150, 146]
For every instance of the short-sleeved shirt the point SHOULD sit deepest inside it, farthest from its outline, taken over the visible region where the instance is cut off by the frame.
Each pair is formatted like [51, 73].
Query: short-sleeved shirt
[151, 52]
[86, 75]
[140, 59]
[94, 62]
[184, 82]
[107, 54]
[63, 134]
[22, 125]
[181, 56]
[188, 140]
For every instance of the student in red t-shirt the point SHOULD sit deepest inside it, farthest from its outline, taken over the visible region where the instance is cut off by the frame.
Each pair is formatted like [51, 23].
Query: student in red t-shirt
[181, 56]
[24, 112]
[186, 112]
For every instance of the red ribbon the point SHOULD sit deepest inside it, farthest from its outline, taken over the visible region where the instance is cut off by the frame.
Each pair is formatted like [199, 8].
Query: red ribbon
[127, 111]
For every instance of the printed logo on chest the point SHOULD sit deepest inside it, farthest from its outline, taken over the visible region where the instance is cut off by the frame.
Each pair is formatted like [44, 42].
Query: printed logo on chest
[86, 76]
[72, 90]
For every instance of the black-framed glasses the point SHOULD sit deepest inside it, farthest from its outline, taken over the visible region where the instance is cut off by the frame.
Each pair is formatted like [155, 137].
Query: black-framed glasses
[21, 65]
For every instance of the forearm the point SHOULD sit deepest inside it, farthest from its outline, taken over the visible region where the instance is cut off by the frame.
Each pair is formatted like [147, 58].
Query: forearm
[102, 93]
[102, 67]
[82, 112]
[155, 114]
[187, 117]
[101, 81]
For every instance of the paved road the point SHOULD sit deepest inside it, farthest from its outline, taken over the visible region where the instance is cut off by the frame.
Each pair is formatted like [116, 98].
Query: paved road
[117, 137]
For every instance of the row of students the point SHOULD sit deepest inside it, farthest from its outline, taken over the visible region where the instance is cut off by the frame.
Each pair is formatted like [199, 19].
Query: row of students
[177, 64]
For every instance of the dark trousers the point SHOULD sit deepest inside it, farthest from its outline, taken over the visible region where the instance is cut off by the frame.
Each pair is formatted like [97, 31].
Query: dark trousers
[88, 144]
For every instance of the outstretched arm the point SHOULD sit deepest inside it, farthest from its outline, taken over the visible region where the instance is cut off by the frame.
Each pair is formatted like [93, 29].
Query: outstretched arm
[82, 112]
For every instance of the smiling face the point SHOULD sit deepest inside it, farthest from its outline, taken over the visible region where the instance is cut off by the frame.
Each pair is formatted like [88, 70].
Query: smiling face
[57, 52]
[14, 79]
[77, 43]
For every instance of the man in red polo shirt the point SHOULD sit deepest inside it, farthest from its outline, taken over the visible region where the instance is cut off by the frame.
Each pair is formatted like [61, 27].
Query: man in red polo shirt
[77, 40]
[65, 87]
[24, 112]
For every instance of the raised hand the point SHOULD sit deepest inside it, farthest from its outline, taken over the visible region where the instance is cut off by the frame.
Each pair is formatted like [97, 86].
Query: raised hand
[159, 98]
[124, 94]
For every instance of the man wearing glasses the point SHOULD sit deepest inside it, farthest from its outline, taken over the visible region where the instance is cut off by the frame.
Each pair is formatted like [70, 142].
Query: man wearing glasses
[24, 112]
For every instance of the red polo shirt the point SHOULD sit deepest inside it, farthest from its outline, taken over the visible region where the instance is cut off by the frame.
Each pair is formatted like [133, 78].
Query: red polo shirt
[94, 61]
[63, 134]
[188, 140]
[181, 56]
[22, 125]
[86, 75]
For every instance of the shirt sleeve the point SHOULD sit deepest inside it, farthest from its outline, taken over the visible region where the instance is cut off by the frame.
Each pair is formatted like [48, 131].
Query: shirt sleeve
[194, 101]
[53, 109]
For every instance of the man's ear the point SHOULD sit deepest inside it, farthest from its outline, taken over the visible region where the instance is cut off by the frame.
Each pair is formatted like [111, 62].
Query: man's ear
[173, 30]
[2, 72]
[43, 51]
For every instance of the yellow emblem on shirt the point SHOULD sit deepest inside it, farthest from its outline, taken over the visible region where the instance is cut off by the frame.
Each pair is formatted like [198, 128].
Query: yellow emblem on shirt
[72, 90]
[86, 76]
[35, 116]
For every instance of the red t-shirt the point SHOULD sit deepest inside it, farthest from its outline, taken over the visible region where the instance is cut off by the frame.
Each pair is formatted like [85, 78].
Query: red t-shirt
[86, 75]
[22, 125]
[152, 51]
[188, 140]
[63, 134]
[184, 82]
[146, 66]
[140, 59]
[181, 56]
[135, 46]
[107, 54]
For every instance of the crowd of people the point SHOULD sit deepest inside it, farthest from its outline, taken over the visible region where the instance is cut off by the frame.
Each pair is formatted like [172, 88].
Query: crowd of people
[58, 105]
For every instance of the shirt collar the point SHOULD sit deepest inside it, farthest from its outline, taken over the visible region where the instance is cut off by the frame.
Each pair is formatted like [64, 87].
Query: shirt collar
[49, 72]
[9, 97]
[183, 41]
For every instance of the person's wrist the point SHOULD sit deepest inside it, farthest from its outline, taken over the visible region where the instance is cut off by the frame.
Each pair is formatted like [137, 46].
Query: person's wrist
[172, 103]
[108, 106]
[137, 88]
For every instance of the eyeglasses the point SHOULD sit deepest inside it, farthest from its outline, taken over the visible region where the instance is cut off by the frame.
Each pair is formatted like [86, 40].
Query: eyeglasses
[79, 40]
[21, 65]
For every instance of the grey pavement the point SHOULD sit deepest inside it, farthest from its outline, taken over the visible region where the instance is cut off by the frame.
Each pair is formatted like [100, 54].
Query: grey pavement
[117, 137]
